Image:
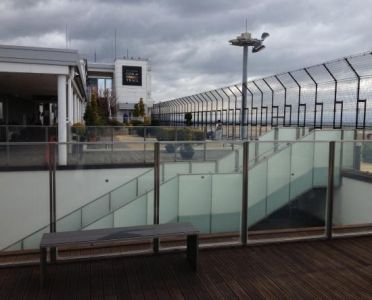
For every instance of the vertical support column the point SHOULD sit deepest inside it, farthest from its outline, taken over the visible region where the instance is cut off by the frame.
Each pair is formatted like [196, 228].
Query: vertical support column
[78, 109]
[156, 191]
[244, 92]
[330, 188]
[62, 130]
[70, 100]
[74, 109]
[52, 195]
[244, 219]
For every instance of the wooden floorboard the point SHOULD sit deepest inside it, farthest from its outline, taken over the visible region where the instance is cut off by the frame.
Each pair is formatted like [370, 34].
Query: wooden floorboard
[337, 269]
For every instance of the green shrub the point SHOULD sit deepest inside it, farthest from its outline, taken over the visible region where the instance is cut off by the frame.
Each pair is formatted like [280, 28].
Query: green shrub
[114, 122]
[183, 134]
[136, 123]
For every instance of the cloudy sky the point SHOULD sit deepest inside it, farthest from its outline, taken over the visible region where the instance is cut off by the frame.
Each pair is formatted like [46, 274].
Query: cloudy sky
[187, 40]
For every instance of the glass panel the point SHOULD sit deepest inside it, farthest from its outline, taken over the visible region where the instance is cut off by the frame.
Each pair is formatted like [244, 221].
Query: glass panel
[228, 163]
[172, 169]
[33, 241]
[169, 201]
[226, 204]
[123, 194]
[24, 204]
[195, 202]
[105, 222]
[293, 202]
[278, 176]
[302, 159]
[266, 148]
[133, 214]
[287, 134]
[95, 210]
[70, 222]
[257, 193]
[203, 167]
[352, 204]
[146, 182]
[348, 149]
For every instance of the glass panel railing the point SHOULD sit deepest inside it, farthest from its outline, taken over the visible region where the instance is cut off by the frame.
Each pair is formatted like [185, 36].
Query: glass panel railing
[348, 149]
[302, 162]
[267, 147]
[278, 178]
[352, 205]
[288, 134]
[132, 214]
[226, 205]
[169, 199]
[24, 194]
[282, 196]
[198, 193]
[257, 193]
[286, 191]
[195, 202]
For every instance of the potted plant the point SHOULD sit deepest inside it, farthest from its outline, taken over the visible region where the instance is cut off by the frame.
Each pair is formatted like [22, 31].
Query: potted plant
[170, 148]
[187, 151]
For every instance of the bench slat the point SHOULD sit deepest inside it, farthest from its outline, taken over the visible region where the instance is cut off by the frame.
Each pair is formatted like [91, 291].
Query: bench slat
[112, 234]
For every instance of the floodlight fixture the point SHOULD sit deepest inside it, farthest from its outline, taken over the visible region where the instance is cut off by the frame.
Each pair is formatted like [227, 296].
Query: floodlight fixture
[245, 40]
[258, 48]
[264, 35]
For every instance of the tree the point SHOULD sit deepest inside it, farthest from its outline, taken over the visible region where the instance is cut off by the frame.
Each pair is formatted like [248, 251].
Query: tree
[93, 113]
[139, 109]
[107, 103]
[188, 118]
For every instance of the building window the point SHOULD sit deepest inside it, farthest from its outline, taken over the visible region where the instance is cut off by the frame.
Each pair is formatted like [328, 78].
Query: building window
[132, 75]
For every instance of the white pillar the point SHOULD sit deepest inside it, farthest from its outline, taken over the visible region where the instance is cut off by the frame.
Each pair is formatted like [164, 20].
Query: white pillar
[70, 101]
[75, 109]
[62, 132]
[78, 109]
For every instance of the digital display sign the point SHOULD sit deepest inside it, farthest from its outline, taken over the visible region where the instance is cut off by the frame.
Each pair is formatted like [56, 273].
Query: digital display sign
[132, 75]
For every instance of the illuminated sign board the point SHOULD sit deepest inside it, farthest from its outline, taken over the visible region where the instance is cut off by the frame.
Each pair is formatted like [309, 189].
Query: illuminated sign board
[132, 75]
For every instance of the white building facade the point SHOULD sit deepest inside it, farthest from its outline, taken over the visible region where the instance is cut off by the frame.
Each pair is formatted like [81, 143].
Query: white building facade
[129, 81]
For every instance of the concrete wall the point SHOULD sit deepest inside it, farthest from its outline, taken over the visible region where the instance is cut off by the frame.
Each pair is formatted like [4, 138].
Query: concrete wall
[353, 202]
[24, 197]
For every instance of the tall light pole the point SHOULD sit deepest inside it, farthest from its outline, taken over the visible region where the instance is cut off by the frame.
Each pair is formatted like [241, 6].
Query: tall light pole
[245, 40]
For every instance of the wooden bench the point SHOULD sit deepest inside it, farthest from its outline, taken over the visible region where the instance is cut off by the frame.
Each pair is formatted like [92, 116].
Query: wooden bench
[109, 235]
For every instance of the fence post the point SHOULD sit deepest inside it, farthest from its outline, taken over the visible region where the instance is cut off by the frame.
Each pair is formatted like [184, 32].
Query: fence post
[244, 219]
[156, 191]
[52, 195]
[330, 189]
[7, 138]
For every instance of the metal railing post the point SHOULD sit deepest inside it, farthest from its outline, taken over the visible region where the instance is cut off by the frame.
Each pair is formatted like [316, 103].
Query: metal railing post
[7, 138]
[244, 219]
[52, 195]
[156, 191]
[330, 190]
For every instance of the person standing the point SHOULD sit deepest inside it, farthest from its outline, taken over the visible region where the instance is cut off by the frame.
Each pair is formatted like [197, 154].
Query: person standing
[218, 133]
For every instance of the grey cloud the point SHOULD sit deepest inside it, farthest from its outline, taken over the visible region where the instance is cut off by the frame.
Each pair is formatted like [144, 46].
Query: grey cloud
[187, 41]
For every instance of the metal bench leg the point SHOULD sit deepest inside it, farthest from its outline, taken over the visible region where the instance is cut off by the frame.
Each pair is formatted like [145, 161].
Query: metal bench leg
[155, 245]
[43, 262]
[53, 254]
[192, 250]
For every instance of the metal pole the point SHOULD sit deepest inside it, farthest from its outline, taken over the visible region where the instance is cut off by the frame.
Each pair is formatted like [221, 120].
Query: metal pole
[156, 191]
[244, 95]
[330, 188]
[244, 219]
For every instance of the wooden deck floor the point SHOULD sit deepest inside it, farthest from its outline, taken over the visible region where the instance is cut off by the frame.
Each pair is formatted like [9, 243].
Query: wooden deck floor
[339, 268]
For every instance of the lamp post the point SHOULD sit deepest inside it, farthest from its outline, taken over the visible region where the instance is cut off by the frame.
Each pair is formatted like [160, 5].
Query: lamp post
[245, 40]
